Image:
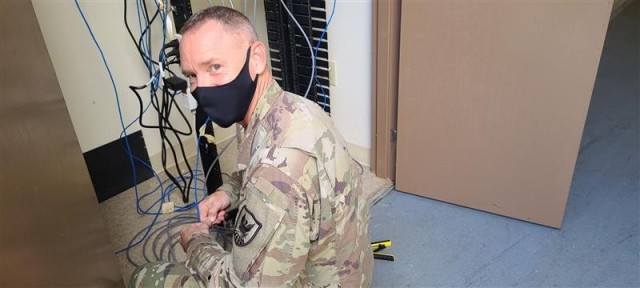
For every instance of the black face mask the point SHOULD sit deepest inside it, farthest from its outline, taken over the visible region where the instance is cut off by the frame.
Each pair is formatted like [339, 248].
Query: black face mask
[227, 104]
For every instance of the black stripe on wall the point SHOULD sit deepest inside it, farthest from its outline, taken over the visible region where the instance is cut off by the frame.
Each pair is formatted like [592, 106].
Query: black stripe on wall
[110, 168]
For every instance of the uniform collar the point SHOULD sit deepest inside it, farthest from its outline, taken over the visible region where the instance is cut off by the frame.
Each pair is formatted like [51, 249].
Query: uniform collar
[259, 113]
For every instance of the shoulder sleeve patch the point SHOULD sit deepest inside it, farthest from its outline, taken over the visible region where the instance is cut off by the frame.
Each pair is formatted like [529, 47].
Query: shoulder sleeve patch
[257, 220]
[248, 227]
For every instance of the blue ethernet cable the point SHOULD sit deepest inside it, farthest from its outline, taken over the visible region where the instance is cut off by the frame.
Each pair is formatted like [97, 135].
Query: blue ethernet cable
[315, 51]
[104, 60]
[115, 90]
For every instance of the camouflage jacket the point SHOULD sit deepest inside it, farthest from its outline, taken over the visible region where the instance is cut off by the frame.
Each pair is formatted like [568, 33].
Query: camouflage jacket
[302, 218]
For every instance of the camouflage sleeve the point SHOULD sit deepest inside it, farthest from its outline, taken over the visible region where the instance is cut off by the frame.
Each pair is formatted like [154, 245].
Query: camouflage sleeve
[203, 253]
[232, 188]
[275, 226]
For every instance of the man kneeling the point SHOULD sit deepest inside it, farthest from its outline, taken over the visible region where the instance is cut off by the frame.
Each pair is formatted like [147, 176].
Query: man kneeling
[302, 217]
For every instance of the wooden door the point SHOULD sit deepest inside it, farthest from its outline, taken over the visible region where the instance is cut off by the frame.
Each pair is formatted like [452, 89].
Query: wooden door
[493, 97]
[51, 232]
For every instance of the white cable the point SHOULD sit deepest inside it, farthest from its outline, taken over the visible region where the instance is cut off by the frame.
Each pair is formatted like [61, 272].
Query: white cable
[313, 59]
[171, 33]
[230, 3]
[149, 82]
[244, 8]
[255, 4]
[166, 23]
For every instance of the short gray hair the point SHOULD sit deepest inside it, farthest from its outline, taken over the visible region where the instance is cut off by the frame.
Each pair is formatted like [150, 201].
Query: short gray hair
[228, 17]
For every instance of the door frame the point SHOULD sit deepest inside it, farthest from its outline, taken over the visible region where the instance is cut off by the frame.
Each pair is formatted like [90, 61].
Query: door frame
[384, 103]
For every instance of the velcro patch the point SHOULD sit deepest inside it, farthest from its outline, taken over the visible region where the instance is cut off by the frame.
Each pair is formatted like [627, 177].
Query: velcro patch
[247, 227]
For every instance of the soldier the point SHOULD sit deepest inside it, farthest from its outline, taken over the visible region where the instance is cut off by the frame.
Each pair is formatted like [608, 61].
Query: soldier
[302, 217]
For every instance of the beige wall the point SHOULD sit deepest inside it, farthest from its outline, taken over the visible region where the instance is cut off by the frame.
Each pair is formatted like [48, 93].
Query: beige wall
[350, 47]
[83, 79]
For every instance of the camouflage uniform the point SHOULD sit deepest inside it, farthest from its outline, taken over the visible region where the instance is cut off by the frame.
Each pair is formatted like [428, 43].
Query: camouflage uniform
[302, 219]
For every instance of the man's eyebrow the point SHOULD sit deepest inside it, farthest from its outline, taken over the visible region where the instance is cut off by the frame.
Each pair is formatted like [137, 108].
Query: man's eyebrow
[204, 64]
[186, 72]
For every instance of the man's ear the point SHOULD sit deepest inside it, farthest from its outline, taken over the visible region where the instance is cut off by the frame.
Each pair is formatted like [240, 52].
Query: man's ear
[259, 57]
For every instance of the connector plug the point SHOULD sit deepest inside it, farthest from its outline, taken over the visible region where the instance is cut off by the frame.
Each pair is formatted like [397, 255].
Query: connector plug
[168, 208]
[176, 83]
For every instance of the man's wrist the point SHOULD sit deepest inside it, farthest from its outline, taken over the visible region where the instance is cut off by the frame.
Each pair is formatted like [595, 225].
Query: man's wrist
[202, 253]
[223, 197]
[226, 198]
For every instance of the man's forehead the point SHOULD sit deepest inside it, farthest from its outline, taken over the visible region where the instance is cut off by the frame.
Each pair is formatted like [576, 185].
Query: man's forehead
[210, 42]
[205, 42]
[215, 31]
[208, 31]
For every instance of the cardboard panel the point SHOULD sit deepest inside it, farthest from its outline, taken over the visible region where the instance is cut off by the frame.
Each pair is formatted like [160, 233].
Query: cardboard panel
[51, 232]
[493, 97]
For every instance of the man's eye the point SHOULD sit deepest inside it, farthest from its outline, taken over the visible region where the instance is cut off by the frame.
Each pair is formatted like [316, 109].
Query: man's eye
[215, 67]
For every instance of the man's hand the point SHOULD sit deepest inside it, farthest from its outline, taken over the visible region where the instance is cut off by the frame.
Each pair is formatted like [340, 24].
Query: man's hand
[193, 228]
[213, 208]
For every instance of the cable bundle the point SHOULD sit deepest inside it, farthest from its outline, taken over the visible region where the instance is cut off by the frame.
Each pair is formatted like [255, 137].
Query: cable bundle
[164, 107]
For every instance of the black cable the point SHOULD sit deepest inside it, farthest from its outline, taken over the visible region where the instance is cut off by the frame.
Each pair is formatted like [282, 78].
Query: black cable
[169, 236]
[157, 235]
[167, 105]
[189, 219]
[133, 39]
[184, 117]
[183, 191]
[157, 108]
[168, 244]
[147, 32]
[223, 232]
[146, 17]
[169, 70]
[144, 244]
[164, 111]
[164, 105]
[172, 56]
[165, 141]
